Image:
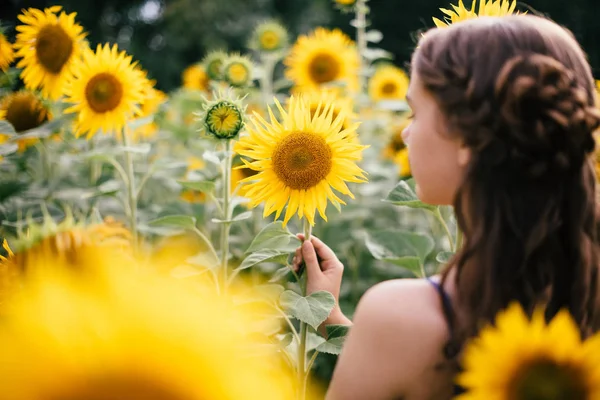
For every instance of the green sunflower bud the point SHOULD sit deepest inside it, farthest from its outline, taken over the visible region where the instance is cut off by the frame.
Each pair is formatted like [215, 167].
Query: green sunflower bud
[213, 64]
[237, 71]
[269, 37]
[223, 118]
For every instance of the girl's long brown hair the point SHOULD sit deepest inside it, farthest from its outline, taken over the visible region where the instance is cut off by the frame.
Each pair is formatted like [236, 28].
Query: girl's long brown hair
[519, 92]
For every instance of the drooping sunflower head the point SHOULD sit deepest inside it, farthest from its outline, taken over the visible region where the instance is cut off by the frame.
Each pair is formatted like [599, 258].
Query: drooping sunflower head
[195, 78]
[322, 58]
[269, 37]
[24, 110]
[388, 83]
[489, 8]
[106, 91]
[223, 118]
[522, 359]
[213, 64]
[299, 159]
[48, 44]
[6, 52]
[237, 71]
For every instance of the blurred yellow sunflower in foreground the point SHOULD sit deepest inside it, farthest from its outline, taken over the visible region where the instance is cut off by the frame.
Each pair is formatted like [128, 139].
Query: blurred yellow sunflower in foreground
[324, 57]
[107, 91]
[388, 83]
[153, 99]
[397, 151]
[195, 78]
[135, 336]
[6, 52]
[24, 110]
[489, 8]
[519, 359]
[299, 159]
[49, 45]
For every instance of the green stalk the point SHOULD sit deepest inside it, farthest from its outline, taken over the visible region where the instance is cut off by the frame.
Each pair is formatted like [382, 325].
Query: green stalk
[440, 218]
[226, 216]
[131, 191]
[302, 370]
[361, 40]
[266, 83]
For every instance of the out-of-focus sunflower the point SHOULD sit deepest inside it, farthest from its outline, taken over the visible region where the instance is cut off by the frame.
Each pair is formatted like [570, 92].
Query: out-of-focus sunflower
[396, 149]
[388, 83]
[6, 52]
[490, 8]
[339, 104]
[24, 110]
[195, 78]
[107, 91]
[299, 160]
[269, 37]
[135, 336]
[189, 195]
[322, 58]
[237, 70]
[519, 359]
[213, 64]
[152, 102]
[48, 44]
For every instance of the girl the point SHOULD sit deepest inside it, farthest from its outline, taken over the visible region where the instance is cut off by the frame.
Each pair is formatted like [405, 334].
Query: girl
[504, 111]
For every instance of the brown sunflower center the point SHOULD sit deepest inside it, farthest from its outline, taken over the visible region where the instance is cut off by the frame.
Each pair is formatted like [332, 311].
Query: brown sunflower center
[118, 387]
[389, 88]
[25, 111]
[53, 48]
[547, 380]
[324, 68]
[302, 160]
[397, 143]
[103, 92]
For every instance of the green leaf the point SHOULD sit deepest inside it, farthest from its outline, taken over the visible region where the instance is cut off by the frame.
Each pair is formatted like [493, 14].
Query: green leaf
[279, 274]
[6, 128]
[313, 309]
[178, 221]
[143, 148]
[444, 256]
[211, 157]
[274, 237]
[263, 256]
[336, 331]
[331, 346]
[8, 148]
[286, 339]
[403, 248]
[199, 186]
[374, 36]
[242, 216]
[404, 195]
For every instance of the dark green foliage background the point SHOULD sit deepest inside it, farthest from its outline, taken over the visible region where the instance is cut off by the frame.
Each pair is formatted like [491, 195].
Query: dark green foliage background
[184, 30]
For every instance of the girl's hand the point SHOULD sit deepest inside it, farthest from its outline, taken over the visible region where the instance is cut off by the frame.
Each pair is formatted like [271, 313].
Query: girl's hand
[323, 271]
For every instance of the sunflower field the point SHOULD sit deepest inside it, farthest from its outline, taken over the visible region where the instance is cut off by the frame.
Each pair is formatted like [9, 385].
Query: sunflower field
[148, 235]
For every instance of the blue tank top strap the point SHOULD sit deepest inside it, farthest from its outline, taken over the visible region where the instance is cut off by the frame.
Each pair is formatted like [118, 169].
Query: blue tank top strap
[450, 350]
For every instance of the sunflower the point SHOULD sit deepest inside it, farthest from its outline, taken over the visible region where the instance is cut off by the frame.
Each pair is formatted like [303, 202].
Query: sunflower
[237, 70]
[213, 64]
[9, 277]
[6, 52]
[24, 110]
[491, 8]
[269, 37]
[388, 83]
[397, 151]
[299, 160]
[223, 118]
[49, 45]
[195, 78]
[322, 58]
[520, 359]
[135, 336]
[339, 104]
[153, 100]
[106, 91]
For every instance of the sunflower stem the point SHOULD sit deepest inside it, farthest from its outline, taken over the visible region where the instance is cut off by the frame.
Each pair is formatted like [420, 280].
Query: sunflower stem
[440, 218]
[226, 215]
[361, 40]
[131, 191]
[266, 83]
[303, 372]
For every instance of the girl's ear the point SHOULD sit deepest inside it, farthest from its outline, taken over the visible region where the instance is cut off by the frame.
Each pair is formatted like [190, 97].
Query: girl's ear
[463, 155]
